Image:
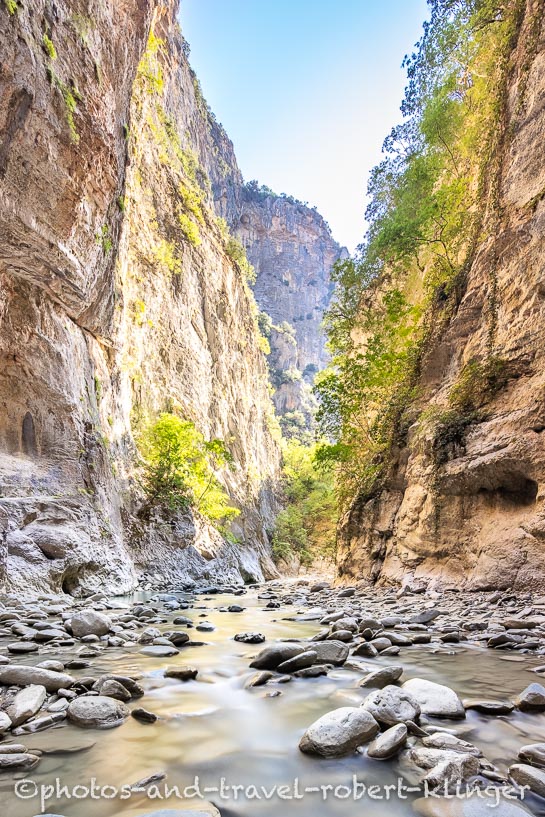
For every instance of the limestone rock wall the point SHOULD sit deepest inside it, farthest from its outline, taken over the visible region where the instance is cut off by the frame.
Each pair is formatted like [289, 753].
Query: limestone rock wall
[477, 519]
[292, 250]
[108, 314]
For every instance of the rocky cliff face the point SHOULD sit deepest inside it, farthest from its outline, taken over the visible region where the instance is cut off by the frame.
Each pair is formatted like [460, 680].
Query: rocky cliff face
[117, 301]
[292, 249]
[474, 516]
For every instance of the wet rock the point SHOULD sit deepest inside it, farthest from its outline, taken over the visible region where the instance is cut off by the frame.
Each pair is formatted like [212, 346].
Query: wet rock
[435, 700]
[54, 666]
[426, 617]
[525, 775]
[40, 724]
[143, 715]
[534, 754]
[447, 769]
[159, 651]
[130, 684]
[235, 608]
[531, 699]
[97, 711]
[331, 652]
[259, 679]
[250, 638]
[205, 627]
[22, 675]
[26, 703]
[23, 760]
[388, 743]
[382, 677]
[339, 732]
[182, 673]
[112, 689]
[275, 654]
[366, 650]
[90, 622]
[313, 672]
[347, 593]
[298, 662]
[392, 705]
[178, 639]
[489, 707]
[451, 743]
[22, 647]
[381, 644]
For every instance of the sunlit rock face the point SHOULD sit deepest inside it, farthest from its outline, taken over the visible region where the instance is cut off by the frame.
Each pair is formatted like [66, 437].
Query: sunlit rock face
[98, 330]
[478, 519]
[292, 249]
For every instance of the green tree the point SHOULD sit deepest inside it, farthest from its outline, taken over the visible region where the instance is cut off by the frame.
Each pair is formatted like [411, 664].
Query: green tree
[180, 469]
[306, 527]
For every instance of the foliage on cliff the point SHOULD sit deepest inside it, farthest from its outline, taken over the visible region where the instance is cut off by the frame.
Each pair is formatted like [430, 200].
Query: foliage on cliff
[427, 198]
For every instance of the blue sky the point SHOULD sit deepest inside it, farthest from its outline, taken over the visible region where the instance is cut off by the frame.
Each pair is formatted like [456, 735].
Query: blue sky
[307, 90]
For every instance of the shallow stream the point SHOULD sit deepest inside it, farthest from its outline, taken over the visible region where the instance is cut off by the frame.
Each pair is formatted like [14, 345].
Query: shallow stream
[214, 728]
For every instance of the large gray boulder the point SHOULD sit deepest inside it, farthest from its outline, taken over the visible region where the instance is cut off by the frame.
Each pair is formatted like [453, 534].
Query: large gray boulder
[331, 652]
[526, 775]
[21, 675]
[90, 622]
[392, 705]
[275, 654]
[97, 711]
[339, 732]
[435, 700]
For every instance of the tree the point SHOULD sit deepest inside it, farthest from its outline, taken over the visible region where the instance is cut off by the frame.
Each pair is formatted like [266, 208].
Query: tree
[180, 469]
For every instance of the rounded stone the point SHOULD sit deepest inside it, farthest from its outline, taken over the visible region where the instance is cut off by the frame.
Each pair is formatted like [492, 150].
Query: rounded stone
[97, 711]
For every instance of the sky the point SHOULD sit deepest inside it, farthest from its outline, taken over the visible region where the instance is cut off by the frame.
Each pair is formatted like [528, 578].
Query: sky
[307, 90]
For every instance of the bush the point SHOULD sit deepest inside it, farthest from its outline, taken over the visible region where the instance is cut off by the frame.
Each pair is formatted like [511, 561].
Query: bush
[190, 229]
[306, 527]
[179, 469]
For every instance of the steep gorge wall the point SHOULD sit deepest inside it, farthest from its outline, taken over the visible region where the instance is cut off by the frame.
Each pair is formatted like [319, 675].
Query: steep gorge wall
[292, 249]
[109, 313]
[475, 517]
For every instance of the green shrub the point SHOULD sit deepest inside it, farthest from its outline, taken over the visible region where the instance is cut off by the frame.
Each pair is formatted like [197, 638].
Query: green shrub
[189, 229]
[180, 466]
[49, 48]
[306, 527]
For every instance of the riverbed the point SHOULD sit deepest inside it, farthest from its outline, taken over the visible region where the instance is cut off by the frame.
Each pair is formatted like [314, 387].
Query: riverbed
[227, 741]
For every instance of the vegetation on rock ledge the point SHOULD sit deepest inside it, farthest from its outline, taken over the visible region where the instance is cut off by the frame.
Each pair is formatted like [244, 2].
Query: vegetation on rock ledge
[427, 199]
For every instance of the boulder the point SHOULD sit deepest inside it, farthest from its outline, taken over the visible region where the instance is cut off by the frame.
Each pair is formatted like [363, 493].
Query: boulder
[90, 622]
[531, 699]
[97, 711]
[26, 703]
[382, 677]
[525, 775]
[21, 675]
[435, 700]
[392, 705]
[388, 743]
[339, 732]
[275, 654]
